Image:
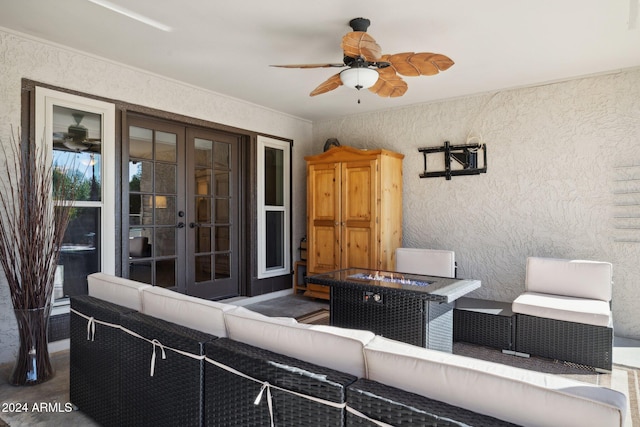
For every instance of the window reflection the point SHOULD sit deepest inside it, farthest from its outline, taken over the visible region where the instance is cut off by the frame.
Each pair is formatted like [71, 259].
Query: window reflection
[274, 239]
[273, 176]
[80, 252]
[84, 169]
[77, 157]
[76, 131]
[202, 152]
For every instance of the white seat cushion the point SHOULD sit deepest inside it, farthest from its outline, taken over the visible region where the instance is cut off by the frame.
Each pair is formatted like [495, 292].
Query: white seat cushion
[574, 278]
[335, 348]
[578, 310]
[195, 313]
[516, 395]
[431, 262]
[117, 290]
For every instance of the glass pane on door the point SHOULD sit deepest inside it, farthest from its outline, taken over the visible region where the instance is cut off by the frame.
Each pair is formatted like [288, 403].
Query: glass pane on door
[223, 263]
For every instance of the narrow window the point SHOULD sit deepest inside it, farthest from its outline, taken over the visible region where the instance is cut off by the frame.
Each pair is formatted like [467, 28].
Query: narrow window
[274, 174]
[79, 133]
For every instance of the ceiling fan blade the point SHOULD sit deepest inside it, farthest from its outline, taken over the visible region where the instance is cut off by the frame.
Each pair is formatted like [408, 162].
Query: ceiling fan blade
[75, 146]
[309, 65]
[359, 43]
[330, 84]
[389, 84]
[418, 64]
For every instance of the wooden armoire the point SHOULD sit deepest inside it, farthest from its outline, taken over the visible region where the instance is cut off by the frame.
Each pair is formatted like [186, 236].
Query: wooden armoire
[354, 211]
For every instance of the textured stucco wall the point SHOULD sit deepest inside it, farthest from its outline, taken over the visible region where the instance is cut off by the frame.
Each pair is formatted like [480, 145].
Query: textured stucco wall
[22, 57]
[556, 154]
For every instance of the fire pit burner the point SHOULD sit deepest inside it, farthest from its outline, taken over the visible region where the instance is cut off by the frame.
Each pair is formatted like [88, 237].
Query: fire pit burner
[390, 278]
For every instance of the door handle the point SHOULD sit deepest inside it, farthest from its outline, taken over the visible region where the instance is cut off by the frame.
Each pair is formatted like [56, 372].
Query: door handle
[180, 225]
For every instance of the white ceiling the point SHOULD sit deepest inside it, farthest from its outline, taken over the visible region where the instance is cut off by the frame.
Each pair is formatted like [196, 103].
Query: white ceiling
[227, 46]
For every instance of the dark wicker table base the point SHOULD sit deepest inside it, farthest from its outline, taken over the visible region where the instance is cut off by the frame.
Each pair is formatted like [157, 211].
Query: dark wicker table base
[484, 322]
[394, 314]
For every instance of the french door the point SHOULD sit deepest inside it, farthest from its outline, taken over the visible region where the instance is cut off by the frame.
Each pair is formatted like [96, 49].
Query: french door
[212, 213]
[183, 208]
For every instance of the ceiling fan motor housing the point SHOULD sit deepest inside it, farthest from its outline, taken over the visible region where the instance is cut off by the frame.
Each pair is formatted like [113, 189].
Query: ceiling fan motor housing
[360, 24]
[78, 132]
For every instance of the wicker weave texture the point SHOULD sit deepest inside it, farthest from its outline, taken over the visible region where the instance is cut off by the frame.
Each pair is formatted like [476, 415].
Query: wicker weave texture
[401, 408]
[229, 398]
[173, 396]
[399, 316]
[484, 329]
[94, 365]
[440, 327]
[568, 341]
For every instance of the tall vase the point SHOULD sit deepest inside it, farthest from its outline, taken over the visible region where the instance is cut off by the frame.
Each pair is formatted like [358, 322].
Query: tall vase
[33, 365]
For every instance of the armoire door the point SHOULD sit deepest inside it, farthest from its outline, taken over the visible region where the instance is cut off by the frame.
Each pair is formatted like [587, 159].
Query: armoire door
[358, 214]
[323, 210]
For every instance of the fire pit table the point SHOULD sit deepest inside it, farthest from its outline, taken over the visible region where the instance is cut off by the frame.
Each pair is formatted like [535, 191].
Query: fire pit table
[412, 308]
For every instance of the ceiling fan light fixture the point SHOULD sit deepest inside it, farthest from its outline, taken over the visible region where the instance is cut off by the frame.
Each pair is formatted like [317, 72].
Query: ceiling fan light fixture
[359, 77]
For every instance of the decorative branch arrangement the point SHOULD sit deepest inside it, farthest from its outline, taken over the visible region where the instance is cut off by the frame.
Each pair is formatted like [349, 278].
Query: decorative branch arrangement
[35, 207]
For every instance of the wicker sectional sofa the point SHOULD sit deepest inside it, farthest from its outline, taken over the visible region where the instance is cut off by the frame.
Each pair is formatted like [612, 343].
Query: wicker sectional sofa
[149, 356]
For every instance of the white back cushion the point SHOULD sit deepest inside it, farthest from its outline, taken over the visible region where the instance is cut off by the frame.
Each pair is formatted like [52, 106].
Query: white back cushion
[574, 278]
[117, 290]
[335, 348]
[432, 262]
[195, 313]
[516, 395]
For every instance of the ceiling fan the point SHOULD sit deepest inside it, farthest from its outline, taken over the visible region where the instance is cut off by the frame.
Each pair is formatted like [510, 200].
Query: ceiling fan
[368, 68]
[75, 139]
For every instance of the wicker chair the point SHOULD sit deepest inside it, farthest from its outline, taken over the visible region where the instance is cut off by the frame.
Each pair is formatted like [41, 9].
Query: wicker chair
[431, 262]
[565, 312]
